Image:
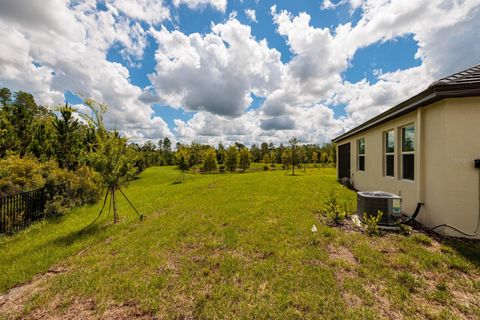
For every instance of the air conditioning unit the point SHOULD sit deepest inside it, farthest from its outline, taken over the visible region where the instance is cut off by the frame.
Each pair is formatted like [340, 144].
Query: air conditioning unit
[370, 202]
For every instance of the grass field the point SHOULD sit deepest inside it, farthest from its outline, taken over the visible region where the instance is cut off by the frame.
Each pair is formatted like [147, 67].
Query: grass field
[229, 246]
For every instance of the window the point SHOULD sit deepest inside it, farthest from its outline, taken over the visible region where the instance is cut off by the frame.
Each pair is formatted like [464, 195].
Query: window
[361, 154]
[408, 152]
[389, 153]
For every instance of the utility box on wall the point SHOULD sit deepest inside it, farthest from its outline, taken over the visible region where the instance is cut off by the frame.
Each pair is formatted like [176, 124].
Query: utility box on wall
[477, 163]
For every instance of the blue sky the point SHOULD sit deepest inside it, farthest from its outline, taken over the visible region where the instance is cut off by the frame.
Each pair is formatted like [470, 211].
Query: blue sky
[388, 56]
[203, 70]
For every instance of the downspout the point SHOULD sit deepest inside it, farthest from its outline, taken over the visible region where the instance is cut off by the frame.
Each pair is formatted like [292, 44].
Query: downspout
[421, 164]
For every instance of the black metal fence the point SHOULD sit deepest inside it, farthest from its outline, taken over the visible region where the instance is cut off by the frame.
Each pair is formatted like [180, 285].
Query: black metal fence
[17, 211]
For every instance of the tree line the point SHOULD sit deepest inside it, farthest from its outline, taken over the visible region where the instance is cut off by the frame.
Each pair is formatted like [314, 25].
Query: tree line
[238, 156]
[70, 151]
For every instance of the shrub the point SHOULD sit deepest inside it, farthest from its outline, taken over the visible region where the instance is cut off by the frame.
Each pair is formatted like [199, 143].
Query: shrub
[64, 189]
[347, 211]
[231, 158]
[20, 174]
[210, 160]
[331, 208]
[221, 168]
[403, 229]
[68, 189]
[265, 168]
[371, 223]
[244, 159]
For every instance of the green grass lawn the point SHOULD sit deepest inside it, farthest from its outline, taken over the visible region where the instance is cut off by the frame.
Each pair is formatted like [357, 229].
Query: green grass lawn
[229, 246]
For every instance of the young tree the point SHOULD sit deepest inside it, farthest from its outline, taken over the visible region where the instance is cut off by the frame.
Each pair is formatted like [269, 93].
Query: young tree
[273, 158]
[210, 160]
[195, 151]
[256, 154]
[301, 158]
[324, 158]
[23, 112]
[5, 97]
[279, 152]
[264, 149]
[231, 158]
[66, 127]
[110, 156]
[167, 151]
[314, 158]
[220, 153]
[182, 160]
[245, 159]
[266, 160]
[294, 152]
[286, 158]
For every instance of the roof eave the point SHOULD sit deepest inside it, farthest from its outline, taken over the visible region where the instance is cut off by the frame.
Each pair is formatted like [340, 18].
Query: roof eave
[428, 96]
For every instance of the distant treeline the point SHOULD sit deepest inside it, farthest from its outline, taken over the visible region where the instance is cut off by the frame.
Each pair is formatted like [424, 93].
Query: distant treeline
[162, 153]
[28, 129]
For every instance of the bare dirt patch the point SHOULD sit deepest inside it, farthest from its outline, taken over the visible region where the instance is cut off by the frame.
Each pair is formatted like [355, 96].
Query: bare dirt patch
[383, 303]
[12, 302]
[341, 253]
[81, 309]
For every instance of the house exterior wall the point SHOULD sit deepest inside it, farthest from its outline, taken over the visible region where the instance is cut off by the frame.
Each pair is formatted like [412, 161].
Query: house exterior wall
[462, 180]
[447, 139]
[432, 165]
[373, 177]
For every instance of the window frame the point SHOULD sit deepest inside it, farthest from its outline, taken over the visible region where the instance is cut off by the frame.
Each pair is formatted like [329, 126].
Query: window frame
[387, 154]
[403, 153]
[360, 155]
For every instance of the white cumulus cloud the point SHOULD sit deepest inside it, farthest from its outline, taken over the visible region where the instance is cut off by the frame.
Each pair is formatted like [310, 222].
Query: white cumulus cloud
[220, 5]
[251, 15]
[63, 47]
[216, 72]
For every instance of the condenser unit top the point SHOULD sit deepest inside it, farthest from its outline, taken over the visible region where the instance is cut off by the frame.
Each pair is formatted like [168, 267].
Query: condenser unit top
[378, 194]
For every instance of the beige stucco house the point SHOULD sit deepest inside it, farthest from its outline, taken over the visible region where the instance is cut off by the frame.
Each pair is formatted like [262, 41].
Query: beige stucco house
[425, 149]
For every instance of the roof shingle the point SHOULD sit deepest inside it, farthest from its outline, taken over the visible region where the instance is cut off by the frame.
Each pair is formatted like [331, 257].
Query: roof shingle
[470, 75]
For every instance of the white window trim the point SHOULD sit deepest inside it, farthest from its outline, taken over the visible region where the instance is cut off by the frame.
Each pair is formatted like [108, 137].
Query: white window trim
[361, 154]
[385, 153]
[402, 153]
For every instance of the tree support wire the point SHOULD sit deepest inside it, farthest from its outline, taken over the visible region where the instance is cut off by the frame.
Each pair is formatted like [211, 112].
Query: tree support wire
[101, 210]
[112, 203]
[140, 215]
[181, 177]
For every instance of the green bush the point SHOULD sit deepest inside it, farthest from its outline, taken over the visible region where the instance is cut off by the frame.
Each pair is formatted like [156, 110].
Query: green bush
[64, 189]
[371, 223]
[265, 168]
[403, 229]
[331, 208]
[20, 174]
[68, 189]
